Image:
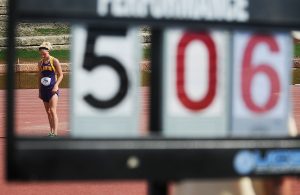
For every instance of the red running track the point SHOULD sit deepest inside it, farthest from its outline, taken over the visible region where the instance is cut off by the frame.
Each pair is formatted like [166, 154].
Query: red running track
[31, 120]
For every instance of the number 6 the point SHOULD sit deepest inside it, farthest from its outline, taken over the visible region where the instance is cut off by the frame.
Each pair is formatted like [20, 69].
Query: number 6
[249, 71]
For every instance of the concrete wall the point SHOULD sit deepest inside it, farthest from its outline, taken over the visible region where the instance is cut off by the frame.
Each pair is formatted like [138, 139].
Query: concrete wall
[31, 35]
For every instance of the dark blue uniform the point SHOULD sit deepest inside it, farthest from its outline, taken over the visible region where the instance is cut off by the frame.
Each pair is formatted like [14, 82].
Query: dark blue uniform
[48, 80]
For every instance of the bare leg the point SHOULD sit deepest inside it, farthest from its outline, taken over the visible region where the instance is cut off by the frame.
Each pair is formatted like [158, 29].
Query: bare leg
[52, 106]
[47, 108]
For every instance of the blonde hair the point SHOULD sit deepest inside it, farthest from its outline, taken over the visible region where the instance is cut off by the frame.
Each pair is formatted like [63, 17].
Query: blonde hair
[45, 45]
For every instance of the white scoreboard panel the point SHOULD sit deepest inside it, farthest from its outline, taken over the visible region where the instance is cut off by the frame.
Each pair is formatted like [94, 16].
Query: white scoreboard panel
[195, 95]
[222, 83]
[216, 83]
[261, 72]
[105, 83]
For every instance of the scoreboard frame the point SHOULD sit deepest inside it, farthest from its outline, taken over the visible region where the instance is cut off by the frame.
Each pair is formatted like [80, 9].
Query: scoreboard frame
[140, 158]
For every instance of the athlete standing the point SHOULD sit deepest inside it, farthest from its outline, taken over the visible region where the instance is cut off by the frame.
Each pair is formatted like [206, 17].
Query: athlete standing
[50, 76]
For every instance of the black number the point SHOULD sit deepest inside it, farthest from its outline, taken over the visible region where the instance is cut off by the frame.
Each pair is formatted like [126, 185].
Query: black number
[92, 61]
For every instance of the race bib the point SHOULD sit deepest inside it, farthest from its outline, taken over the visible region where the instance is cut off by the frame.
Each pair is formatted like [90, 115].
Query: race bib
[46, 81]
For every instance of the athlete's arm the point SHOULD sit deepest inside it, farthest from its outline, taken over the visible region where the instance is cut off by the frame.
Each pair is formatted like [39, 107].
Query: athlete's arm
[59, 73]
[39, 78]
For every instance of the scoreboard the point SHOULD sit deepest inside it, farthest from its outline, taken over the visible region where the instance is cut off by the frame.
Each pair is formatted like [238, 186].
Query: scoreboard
[219, 90]
[216, 83]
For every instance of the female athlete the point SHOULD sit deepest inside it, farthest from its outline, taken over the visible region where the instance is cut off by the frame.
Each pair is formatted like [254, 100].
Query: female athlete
[50, 76]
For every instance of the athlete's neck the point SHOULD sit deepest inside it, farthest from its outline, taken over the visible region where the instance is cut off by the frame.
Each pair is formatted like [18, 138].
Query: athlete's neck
[46, 59]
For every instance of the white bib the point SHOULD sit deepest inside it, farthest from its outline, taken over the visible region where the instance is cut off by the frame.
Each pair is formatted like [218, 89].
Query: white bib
[46, 81]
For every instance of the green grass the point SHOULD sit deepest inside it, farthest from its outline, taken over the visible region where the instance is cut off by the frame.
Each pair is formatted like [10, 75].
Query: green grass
[297, 50]
[25, 55]
[2, 55]
[33, 56]
[146, 53]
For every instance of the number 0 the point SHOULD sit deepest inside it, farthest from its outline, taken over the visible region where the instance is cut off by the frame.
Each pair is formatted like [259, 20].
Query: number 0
[186, 39]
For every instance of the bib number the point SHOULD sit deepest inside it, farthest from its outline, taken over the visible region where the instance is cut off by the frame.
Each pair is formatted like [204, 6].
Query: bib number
[46, 81]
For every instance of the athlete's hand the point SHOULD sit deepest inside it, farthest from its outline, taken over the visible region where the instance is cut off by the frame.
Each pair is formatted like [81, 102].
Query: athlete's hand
[55, 89]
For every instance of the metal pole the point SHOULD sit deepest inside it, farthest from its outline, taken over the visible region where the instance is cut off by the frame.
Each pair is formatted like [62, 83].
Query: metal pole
[10, 58]
[156, 187]
[156, 82]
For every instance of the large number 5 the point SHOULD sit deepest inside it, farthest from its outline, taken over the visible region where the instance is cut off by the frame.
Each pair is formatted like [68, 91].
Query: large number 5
[92, 61]
[249, 71]
[186, 39]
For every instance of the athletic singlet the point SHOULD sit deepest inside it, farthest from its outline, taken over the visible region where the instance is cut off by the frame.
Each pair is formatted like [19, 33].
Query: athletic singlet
[48, 79]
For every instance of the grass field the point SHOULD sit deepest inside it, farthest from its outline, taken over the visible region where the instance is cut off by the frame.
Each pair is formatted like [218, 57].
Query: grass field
[297, 50]
[31, 56]
[146, 53]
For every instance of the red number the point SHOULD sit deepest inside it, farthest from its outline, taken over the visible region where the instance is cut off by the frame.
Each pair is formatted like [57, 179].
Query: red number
[186, 39]
[249, 71]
